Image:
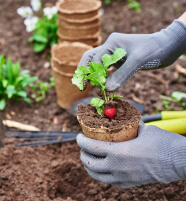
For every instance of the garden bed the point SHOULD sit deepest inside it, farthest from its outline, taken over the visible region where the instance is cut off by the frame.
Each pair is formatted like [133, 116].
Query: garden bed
[55, 172]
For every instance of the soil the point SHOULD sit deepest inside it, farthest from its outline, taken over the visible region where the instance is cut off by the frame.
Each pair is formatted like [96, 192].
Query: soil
[125, 115]
[55, 172]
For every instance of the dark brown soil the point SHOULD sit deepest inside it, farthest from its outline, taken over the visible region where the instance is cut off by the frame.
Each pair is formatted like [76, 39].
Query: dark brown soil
[125, 115]
[56, 172]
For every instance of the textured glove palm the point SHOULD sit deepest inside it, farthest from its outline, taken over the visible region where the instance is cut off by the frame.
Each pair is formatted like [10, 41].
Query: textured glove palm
[144, 51]
[154, 156]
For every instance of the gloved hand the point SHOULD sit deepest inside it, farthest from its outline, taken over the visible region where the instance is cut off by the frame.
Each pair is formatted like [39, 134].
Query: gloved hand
[144, 51]
[154, 156]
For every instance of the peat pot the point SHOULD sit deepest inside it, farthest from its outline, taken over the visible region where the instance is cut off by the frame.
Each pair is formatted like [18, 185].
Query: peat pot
[123, 128]
[65, 59]
[78, 9]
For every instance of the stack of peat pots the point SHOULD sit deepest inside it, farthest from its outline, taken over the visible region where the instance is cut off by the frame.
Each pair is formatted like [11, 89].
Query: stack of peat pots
[64, 61]
[79, 21]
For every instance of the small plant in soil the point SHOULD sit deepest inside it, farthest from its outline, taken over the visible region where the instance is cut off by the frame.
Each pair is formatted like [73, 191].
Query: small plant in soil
[177, 97]
[96, 73]
[13, 82]
[40, 89]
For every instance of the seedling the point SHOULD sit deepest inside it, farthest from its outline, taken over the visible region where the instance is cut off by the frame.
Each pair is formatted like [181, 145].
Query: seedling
[41, 88]
[177, 97]
[133, 4]
[96, 73]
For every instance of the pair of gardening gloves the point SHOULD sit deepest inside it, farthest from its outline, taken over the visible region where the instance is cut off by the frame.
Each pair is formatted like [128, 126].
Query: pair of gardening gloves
[155, 155]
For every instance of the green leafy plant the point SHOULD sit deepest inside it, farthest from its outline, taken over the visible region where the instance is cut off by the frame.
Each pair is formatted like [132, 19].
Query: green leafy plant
[133, 4]
[177, 97]
[44, 24]
[41, 88]
[96, 73]
[13, 82]
[44, 34]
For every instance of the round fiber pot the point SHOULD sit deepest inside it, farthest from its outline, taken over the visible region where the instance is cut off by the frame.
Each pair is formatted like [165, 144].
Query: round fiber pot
[66, 55]
[122, 127]
[78, 9]
[65, 59]
[78, 31]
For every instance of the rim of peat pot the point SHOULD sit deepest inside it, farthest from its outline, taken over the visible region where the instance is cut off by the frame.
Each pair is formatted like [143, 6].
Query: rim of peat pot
[81, 21]
[120, 134]
[58, 49]
[70, 6]
[77, 26]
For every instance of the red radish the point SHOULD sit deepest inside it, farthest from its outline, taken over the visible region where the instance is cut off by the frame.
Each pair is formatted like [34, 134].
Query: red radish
[110, 112]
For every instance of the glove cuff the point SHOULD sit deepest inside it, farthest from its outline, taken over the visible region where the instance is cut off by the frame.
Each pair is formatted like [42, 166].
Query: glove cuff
[172, 41]
[172, 155]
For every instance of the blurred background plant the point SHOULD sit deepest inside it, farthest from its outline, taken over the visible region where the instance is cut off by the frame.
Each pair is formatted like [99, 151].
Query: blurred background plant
[43, 25]
[132, 4]
[176, 96]
[14, 84]
[40, 89]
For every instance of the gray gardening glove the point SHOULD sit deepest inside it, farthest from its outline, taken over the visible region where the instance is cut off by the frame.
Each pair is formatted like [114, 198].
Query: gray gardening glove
[154, 156]
[144, 51]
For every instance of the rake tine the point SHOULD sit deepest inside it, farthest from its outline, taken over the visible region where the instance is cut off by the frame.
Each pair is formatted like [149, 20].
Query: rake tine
[29, 139]
[34, 144]
[56, 134]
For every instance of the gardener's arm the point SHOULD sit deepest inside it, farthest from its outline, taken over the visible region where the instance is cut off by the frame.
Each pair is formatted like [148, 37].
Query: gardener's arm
[144, 51]
[154, 156]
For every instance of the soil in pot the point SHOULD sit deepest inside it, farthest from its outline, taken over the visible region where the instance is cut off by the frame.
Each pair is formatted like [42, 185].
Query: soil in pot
[122, 127]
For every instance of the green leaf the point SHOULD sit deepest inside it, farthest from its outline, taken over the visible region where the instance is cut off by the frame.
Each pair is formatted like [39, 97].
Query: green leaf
[40, 38]
[2, 104]
[10, 90]
[28, 100]
[79, 76]
[109, 60]
[178, 95]
[98, 104]
[16, 69]
[39, 47]
[5, 83]
[38, 99]
[9, 72]
[96, 79]
[112, 96]
[22, 94]
[117, 96]
[2, 61]
[97, 67]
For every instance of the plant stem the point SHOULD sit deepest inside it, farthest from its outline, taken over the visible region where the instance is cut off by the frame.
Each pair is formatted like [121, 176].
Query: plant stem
[168, 98]
[106, 100]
